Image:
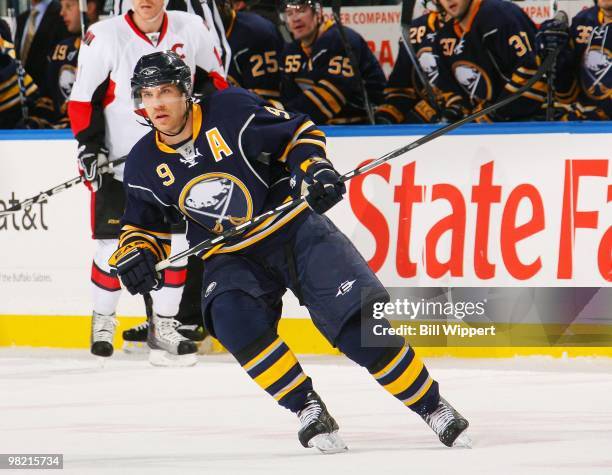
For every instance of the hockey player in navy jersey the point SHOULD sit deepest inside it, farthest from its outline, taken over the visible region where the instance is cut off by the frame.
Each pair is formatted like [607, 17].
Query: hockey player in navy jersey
[220, 163]
[257, 47]
[50, 110]
[405, 97]
[17, 89]
[318, 77]
[583, 73]
[489, 46]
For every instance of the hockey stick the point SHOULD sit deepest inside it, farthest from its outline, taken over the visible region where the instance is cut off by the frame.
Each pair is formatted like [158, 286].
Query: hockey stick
[550, 74]
[83, 15]
[289, 205]
[336, 4]
[43, 196]
[23, 97]
[407, 12]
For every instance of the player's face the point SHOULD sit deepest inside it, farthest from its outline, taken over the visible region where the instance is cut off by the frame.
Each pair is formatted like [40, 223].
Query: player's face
[239, 5]
[71, 15]
[165, 105]
[302, 21]
[606, 6]
[456, 8]
[148, 10]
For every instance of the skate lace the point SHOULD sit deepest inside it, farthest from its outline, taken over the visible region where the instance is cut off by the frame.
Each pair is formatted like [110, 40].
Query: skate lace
[143, 326]
[166, 330]
[311, 412]
[104, 327]
[439, 419]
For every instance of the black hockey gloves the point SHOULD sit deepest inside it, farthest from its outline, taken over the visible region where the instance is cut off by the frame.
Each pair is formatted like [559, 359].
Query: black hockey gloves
[323, 186]
[136, 269]
[553, 35]
[91, 159]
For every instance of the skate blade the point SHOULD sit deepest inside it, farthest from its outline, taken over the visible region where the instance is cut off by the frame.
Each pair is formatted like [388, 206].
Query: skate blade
[163, 358]
[464, 441]
[328, 443]
[135, 347]
[101, 361]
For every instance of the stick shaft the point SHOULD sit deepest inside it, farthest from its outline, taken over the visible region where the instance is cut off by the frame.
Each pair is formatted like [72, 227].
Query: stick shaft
[406, 19]
[43, 196]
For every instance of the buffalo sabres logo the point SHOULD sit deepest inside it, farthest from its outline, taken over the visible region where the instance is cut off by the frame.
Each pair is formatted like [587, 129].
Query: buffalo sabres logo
[473, 80]
[67, 76]
[429, 64]
[216, 201]
[596, 74]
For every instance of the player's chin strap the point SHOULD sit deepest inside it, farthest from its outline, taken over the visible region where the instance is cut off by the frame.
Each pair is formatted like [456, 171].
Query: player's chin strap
[289, 205]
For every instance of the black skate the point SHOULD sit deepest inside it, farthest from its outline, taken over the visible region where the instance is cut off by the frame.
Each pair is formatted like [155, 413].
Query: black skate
[193, 332]
[135, 338]
[168, 346]
[319, 429]
[102, 334]
[449, 425]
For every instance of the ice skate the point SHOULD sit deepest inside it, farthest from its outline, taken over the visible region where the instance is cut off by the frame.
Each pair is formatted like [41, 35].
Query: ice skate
[168, 346]
[135, 338]
[102, 334]
[319, 429]
[449, 425]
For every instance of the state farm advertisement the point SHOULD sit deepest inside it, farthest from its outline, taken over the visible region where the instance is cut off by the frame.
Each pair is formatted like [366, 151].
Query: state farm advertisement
[504, 210]
[517, 210]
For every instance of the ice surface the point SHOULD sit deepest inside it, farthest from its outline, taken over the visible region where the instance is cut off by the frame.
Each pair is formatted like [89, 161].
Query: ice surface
[528, 415]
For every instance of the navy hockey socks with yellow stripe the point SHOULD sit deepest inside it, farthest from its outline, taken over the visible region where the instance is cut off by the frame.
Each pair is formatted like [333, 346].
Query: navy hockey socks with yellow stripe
[246, 326]
[394, 366]
[274, 367]
[403, 374]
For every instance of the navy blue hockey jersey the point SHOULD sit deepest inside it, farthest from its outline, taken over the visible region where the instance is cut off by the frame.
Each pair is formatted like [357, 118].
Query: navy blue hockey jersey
[492, 59]
[405, 96]
[319, 80]
[246, 157]
[584, 70]
[257, 47]
[51, 108]
[11, 94]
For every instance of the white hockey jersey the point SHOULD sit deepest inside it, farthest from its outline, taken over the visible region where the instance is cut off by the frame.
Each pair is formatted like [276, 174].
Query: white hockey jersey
[100, 109]
[206, 9]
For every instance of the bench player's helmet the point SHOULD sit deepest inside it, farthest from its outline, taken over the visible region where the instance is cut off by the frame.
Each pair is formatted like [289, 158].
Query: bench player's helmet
[156, 69]
[316, 6]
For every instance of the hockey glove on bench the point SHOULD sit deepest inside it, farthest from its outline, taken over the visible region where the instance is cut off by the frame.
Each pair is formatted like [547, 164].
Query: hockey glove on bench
[553, 35]
[135, 265]
[323, 186]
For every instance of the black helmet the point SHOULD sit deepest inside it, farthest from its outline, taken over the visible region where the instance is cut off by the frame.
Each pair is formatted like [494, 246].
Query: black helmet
[161, 67]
